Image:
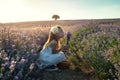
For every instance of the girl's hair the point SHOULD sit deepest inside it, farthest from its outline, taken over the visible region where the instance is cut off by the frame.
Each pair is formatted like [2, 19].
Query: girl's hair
[51, 37]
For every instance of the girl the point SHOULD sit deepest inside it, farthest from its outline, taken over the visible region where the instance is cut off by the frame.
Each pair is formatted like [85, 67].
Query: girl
[51, 53]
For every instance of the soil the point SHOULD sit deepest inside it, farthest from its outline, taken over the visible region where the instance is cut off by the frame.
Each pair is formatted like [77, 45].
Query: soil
[65, 74]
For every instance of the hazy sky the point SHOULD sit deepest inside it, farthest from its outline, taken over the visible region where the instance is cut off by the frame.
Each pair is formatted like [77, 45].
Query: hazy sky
[35, 10]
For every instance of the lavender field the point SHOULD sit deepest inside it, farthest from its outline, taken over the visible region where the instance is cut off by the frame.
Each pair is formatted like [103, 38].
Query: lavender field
[94, 48]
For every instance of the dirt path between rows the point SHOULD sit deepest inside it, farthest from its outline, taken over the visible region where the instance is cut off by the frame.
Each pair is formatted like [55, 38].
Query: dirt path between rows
[65, 75]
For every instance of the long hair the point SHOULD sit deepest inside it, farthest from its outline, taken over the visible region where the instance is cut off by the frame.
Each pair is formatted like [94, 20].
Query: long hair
[51, 37]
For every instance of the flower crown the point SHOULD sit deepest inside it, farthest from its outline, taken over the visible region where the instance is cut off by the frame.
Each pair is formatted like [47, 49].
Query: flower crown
[55, 29]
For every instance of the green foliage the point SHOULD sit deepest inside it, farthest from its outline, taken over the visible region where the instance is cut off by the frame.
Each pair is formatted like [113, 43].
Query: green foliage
[94, 45]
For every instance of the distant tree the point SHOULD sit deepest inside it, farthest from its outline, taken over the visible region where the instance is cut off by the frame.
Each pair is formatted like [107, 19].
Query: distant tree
[55, 17]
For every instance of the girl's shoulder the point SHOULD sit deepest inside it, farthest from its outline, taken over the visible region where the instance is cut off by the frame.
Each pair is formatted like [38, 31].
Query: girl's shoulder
[53, 43]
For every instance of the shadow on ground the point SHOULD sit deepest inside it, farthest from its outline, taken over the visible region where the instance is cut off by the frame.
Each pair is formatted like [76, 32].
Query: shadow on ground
[64, 75]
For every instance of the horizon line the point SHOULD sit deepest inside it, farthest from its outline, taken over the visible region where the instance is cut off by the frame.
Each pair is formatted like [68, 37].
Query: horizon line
[54, 20]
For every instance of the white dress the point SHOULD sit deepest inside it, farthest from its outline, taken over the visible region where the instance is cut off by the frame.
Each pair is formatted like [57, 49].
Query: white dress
[47, 58]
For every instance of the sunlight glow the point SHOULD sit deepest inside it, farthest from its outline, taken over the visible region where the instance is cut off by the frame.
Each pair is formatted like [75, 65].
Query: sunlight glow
[36, 10]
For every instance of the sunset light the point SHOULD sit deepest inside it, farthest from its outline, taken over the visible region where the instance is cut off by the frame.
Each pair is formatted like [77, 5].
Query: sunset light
[36, 10]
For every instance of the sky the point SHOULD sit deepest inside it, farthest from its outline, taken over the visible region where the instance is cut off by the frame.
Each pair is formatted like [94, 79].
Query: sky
[37, 10]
